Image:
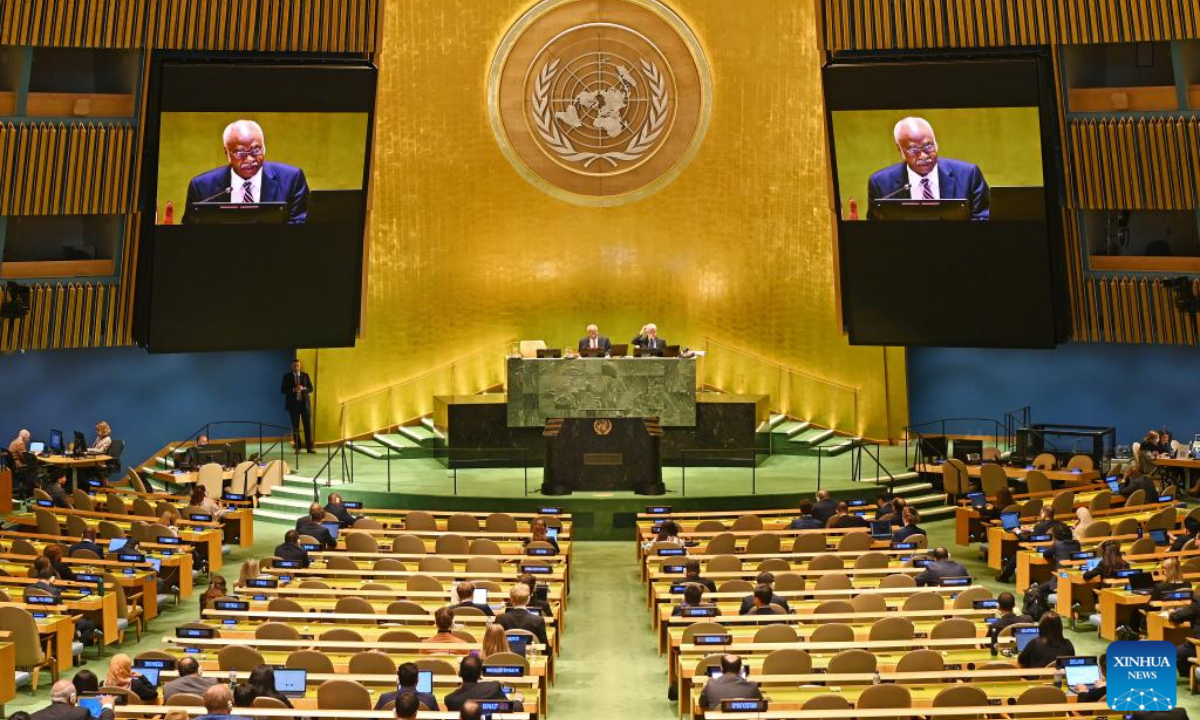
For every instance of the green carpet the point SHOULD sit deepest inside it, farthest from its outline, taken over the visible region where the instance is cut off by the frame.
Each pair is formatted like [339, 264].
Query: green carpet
[609, 654]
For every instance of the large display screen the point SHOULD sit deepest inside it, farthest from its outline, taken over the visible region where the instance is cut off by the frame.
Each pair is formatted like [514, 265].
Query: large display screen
[946, 197]
[254, 180]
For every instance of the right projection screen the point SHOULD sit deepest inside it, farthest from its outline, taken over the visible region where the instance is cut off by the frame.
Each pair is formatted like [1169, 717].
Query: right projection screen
[946, 192]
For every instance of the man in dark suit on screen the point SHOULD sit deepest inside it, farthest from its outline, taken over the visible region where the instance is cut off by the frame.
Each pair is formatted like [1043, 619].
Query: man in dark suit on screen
[296, 387]
[249, 178]
[924, 176]
[595, 341]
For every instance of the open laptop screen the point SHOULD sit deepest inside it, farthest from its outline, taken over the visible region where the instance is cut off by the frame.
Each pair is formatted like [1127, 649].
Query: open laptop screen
[1024, 635]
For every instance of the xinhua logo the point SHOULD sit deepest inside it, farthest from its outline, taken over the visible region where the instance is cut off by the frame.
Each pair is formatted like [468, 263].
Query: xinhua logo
[1140, 675]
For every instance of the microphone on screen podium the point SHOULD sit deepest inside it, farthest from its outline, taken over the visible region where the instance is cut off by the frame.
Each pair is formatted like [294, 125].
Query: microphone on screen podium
[227, 191]
[903, 189]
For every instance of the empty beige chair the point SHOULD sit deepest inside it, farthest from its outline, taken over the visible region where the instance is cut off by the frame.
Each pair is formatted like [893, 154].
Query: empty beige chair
[871, 560]
[965, 600]
[462, 523]
[47, 523]
[899, 580]
[855, 542]
[789, 581]
[484, 565]
[830, 607]
[723, 544]
[710, 526]
[437, 667]
[956, 480]
[1099, 528]
[506, 659]
[345, 635]
[484, 546]
[143, 508]
[371, 662]
[271, 477]
[960, 696]
[1126, 526]
[1064, 503]
[813, 542]
[185, 700]
[451, 544]
[923, 660]
[244, 479]
[887, 695]
[425, 583]
[763, 545]
[389, 564]
[81, 500]
[76, 526]
[1136, 498]
[354, 605]
[435, 564]
[408, 545]
[868, 603]
[992, 477]
[361, 542]
[115, 504]
[826, 701]
[21, 546]
[892, 628]
[212, 478]
[1164, 519]
[392, 636]
[736, 585]
[31, 655]
[1037, 482]
[1042, 694]
[313, 661]
[1082, 463]
[1100, 501]
[702, 628]
[500, 522]
[276, 631]
[774, 565]
[239, 657]
[835, 581]
[826, 562]
[460, 610]
[343, 695]
[955, 627]
[1031, 508]
[776, 634]
[1045, 461]
[341, 562]
[529, 348]
[851, 662]
[747, 523]
[284, 605]
[263, 701]
[419, 520]
[924, 601]
[832, 632]
[724, 563]
[786, 661]
[366, 523]
[1143, 546]
[382, 587]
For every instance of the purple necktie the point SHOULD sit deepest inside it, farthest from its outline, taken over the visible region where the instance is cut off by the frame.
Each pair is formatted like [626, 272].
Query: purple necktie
[926, 189]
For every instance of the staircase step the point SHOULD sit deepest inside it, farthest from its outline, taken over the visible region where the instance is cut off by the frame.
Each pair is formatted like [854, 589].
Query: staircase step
[776, 418]
[296, 505]
[897, 477]
[422, 435]
[274, 516]
[789, 428]
[363, 449]
[937, 498]
[809, 435]
[396, 441]
[913, 488]
[936, 511]
[837, 445]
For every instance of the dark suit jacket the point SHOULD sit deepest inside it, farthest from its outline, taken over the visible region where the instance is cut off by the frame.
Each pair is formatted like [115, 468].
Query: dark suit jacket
[708, 584]
[341, 513]
[806, 522]
[485, 609]
[486, 690]
[63, 711]
[193, 684]
[318, 532]
[748, 604]
[939, 569]
[1004, 621]
[429, 700]
[906, 532]
[601, 342]
[85, 545]
[289, 551]
[58, 495]
[956, 180]
[823, 510]
[1140, 483]
[727, 687]
[657, 344]
[280, 183]
[287, 386]
[847, 521]
[522, 619]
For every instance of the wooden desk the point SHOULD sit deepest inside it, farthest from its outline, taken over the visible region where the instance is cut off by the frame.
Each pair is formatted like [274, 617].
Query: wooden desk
[1057, 711]
[68, 462]
[1001, 542]
[1066, 477]
[1186, 464]
[148, 712]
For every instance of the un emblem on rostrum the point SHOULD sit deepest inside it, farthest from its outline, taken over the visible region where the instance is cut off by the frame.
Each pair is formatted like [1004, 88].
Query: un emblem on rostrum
[599, 102]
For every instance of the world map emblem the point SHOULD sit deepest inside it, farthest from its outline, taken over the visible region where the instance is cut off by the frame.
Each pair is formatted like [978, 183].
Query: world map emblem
[600, 102]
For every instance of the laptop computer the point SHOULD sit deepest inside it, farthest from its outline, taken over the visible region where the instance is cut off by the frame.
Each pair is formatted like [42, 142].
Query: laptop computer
[1141, 583]
[1113, 484]
[151, 675]
[1023, 636]
[1160, 537]
[1091, 564]
[37, 447]
[881, 529]
[332, 527]
[290, 682]
[1010, 520]
[424, 681]
[1079, 670]
[549, 353]
[978, 499]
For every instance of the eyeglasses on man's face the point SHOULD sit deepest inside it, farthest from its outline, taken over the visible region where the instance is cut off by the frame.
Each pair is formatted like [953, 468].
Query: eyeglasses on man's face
[916, 150]
[243, 154]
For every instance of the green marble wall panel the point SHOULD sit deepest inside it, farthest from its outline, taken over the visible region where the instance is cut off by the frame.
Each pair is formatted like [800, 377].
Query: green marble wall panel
[539, 389]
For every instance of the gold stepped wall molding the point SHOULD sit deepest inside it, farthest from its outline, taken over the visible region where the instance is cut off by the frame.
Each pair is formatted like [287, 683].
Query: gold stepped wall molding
[1108, 156]
[66, 169]
[906, 24]
[344, 26]
[1136, 310]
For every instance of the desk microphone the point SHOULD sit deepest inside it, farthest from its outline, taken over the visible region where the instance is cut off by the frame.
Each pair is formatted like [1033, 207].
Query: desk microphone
[229, 191]
[904, 188]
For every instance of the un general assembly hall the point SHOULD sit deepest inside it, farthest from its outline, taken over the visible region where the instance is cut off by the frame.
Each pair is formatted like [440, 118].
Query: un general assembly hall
[594, 359]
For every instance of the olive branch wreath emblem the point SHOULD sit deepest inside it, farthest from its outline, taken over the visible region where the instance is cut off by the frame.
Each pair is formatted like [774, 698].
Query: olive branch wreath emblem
[639, 144]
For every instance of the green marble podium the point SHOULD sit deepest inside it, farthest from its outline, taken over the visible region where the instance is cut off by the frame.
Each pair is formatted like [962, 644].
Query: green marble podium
[544, 388]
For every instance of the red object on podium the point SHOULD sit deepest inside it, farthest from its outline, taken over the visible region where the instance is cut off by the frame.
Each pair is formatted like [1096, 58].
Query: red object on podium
[853, 209]
[169, 215]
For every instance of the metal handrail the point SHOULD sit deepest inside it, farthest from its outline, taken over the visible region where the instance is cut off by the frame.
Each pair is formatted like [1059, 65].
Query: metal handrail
[339, 452]
[206, 429]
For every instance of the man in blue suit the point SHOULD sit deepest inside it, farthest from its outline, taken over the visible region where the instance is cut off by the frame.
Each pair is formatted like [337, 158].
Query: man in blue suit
[249, 178]
[923, 176]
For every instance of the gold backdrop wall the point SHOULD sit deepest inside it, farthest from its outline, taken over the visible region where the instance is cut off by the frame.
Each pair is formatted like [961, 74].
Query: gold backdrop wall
[465, 255]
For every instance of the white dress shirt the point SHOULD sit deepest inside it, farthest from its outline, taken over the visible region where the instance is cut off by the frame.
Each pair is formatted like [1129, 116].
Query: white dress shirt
[916, 192]
[237, 184]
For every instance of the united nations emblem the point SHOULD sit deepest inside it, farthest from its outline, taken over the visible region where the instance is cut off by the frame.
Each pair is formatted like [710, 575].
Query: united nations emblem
[600, 102]
[602, 426]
